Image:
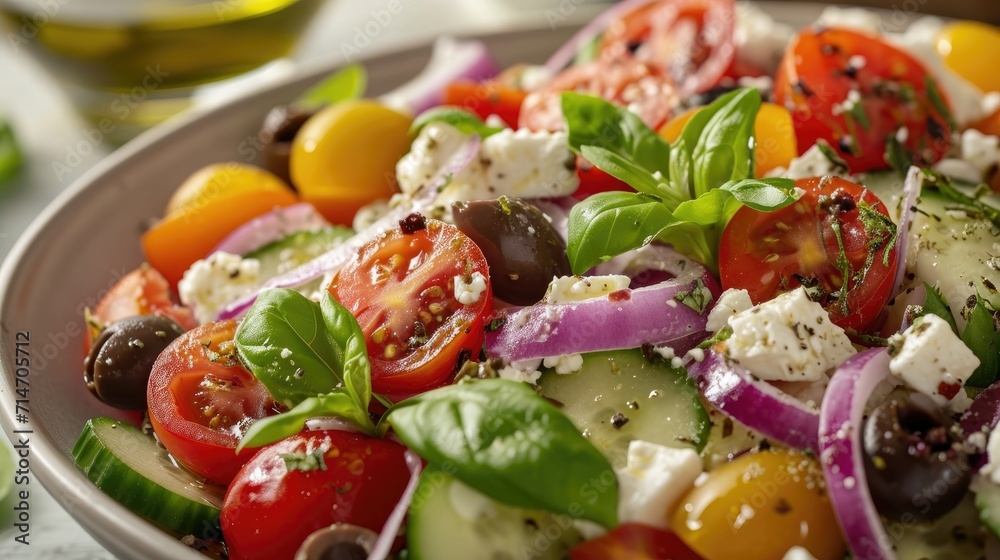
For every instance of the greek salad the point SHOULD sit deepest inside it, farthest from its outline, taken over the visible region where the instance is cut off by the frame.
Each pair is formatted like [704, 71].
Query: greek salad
[702, 286]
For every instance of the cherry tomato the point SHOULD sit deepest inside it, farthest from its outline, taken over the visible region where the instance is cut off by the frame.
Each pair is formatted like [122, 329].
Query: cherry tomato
[344, 156]
[202, 401]
[309, 481]
[642, 87]
[759, 506]
[143, 291]
[485, 99]
[401, 289]
[989, 124]
[856, 91]
[205, 209]
[692, 40]
[593, 180]
[962, 43]
[768, 253]
[633, 541]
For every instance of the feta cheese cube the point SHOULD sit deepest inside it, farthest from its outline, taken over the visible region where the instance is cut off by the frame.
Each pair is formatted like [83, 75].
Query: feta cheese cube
[524, 370]
[980, 150]
[572, 289]
[789, 338]
[564, 364]
[730, 303]
[468, 291]
[930, 358]
[527, 164]
[654, 478]
[429, 152]
[215, 281]
[813, 163]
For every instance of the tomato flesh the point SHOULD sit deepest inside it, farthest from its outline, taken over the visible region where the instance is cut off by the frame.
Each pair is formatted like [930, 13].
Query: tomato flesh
[202, 401]
[850, 273]
[633, 541]
[309, 481]
[401, 289]
[485, 99]
[855, 92]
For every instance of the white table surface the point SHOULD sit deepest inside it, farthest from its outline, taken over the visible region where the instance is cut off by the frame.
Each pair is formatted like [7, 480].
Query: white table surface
[48, 131]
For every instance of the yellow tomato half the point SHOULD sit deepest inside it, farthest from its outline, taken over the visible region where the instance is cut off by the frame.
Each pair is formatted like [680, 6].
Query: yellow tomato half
[971, 50]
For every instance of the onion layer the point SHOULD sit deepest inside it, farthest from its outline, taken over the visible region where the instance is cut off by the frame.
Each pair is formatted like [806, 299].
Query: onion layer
[911, 191]
[383, 545]
[271, 227]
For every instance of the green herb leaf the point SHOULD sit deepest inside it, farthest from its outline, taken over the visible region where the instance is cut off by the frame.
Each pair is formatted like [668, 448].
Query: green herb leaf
[461, 119]
[305, 462]
[493, 434]
[936, 304]
[10, 153]
[337, 403]
[934, 94]
[608, 224]
[896, 155]
[980, 335]
[697, 298]
[347, 83]
[763, 195]
[943, 184]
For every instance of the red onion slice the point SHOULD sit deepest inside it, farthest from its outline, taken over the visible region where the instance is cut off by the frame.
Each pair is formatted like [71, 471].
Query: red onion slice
[841, 423]
[759, 405]
[335, 259]
[624, 319]
[562, 57]
[387, 537]
[271, 227]
[911, 191]
[451, 60]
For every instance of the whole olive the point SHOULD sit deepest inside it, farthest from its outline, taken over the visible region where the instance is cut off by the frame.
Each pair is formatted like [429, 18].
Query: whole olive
[280, 126]
[116, 370]
[916, 466]
[521, 247]
[340, 541]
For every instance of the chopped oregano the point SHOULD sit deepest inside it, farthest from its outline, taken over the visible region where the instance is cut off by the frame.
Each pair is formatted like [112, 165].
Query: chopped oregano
[305, 462]
[697, 298]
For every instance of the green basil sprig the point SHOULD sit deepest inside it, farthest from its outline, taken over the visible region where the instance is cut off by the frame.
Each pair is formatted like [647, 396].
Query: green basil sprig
[504, 440]
[311, 357]
[461, 119]
[347, 83]
[688, 191]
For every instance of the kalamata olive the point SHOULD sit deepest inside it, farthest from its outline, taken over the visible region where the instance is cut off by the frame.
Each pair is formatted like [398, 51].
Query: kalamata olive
[521, 247]
[117, 368]
[340, 541]
[916, 467]
[276, 135]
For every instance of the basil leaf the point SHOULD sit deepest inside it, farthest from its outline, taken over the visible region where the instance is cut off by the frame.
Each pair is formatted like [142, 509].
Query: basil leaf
[621, 168]
[338, 403]
[981, 336]
[608, 224]
[935, 304]
[496, 435]
[299, 349]
[10, 153]
[763, 194]
[347, 83]
[896, 155]
[934, 94]
[459, 118]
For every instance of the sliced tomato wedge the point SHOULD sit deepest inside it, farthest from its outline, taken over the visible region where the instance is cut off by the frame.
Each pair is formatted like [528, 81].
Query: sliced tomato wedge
[856, 91]
[202, 401]
[633, 541]
[593, 180]
[485, 99]
[836, 240]
[402, 290]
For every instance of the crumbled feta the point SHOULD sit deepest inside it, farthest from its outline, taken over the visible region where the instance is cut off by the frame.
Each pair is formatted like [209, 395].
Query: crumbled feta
[468, 291]
[730, 303]
[798, 553]
[534, 77]
[980, 150]
[524, 370]
[429, 152]
[930, 358]
[215, 281]
[654, 478]
[813, 163]
[569, 363]
[759, 39]
[789, 338]
[572, 289]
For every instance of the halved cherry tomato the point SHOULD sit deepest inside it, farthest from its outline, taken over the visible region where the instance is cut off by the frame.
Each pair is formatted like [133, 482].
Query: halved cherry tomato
[143, 291]
[692, 40]
[837, 240]
[856, 91]
[485, 99]
[202, 401]
[307, 482]
[643, 88]
[401, 289]
[962, 43]
[593, 180]
[633, 541]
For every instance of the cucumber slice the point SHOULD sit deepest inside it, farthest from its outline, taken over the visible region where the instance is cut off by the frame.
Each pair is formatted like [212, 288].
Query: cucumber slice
[450, 521]
[987, 502]
[297, 248]
[955, 536]
[130, 467]
[661, 403]
[728, 439]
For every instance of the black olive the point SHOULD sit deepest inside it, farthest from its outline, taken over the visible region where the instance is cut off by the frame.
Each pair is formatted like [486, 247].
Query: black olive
[916, 467]
[117, 368]
[522, 248]
[276, 135]
[340, 541]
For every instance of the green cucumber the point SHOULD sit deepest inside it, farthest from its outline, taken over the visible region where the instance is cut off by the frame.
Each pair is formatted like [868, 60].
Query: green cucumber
[660, 403]
[987, 502]
[297, 248]
[955, 536]
[479, 527]
[130, 467]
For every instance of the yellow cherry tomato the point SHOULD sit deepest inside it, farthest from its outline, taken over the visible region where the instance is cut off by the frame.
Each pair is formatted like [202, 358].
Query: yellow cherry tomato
[344, 157]
[970, 49]
[776, 143]
[209, 205]
[757, 507]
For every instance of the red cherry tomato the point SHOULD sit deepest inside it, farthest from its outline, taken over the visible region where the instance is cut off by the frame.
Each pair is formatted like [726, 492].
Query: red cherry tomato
[632, 541]
[768, 253]
[593, 180]
[202, 401]
[309, 481]
[642, 87]
[856, 91]
[401, 289]
[485, 99]
[692, 40]
[143, 291]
